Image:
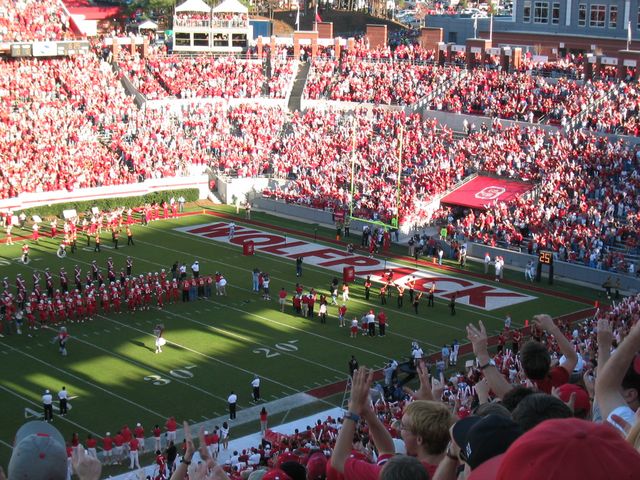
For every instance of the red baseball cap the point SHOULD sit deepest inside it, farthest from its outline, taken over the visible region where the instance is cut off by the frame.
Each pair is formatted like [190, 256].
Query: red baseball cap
[582, 397]
[317, 466]
[276, 474]
[570, 449]
[287, 457]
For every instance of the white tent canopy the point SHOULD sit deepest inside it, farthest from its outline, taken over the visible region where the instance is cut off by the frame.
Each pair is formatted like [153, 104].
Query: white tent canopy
[194, 6]
[230, 6]
[148, 25]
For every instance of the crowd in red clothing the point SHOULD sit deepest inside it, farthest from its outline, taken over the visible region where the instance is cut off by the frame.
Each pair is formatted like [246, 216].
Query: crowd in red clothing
[27, 20]
[160, 76]
[353, 79]
[571, 66]
[618, 112]
[51, 117]
[518, 96]
[589, 186]
[192, 19]
[326, 141]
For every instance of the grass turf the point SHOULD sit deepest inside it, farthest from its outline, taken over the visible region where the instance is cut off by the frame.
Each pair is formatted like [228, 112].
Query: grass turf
[217, 345]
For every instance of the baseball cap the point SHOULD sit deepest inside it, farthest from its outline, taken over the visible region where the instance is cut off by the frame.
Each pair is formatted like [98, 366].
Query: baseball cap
[39, 452]
[570, 449]
[317, 466]
[294, 470]
[287, 457]
[582, 397]
[276, 474]
[482, 438]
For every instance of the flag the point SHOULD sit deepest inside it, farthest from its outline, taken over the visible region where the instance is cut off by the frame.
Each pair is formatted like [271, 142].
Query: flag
[318, 19]
[475, 25]
[491, 28]
[298, 16]
[629, 32]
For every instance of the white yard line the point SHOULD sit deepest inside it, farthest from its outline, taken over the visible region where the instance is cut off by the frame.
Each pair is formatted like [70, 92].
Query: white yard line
[94, 385]
[146, 367]
[38, 405]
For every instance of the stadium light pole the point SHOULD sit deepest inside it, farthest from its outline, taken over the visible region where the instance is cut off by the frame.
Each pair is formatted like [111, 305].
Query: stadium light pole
[353, 164]
[400, 148]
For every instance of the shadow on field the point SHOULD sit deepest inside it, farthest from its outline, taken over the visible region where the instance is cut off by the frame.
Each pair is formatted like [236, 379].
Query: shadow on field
[141, 345]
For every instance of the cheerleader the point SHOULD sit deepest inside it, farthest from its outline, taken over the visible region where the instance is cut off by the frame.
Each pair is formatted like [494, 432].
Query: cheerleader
[62, 338]
[158, 331]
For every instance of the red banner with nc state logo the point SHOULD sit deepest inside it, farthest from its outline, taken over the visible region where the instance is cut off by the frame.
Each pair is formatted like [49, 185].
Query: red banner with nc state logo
[481, 192]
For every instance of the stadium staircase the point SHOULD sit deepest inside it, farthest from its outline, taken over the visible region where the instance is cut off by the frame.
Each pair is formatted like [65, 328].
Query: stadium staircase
[576, 122]
[298, 87]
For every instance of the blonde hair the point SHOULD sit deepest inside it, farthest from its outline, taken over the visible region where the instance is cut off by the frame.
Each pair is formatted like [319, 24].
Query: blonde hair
[431, 422]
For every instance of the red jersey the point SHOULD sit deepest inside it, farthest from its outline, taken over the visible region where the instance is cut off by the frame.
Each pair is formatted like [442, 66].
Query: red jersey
[107, 443]
[134, 444]
[171, 425]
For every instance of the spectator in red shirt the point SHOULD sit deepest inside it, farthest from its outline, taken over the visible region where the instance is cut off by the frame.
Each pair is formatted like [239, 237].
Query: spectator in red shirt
[157, 438]
[171, 425]
[535, 359]
[91, 444]
[134, 446]
[118, 449]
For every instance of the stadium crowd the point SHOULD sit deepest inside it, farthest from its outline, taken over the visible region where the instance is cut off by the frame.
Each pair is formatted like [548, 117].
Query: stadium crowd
[27, 20]
[518, 96]
[588, 186]
[352, 79]
[617, 113]
[160, 76]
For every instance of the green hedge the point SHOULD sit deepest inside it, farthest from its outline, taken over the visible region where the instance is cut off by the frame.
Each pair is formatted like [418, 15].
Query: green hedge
[190, 195]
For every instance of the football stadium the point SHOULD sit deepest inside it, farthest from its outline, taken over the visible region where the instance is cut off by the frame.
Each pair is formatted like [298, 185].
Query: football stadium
[317, 253]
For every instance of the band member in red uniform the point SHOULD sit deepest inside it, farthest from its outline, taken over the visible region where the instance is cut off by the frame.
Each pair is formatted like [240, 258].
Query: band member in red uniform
[159, 295]
[104, 297]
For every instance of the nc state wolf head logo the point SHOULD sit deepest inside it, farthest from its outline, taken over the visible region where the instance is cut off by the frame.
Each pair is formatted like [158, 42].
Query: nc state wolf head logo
[489, 193]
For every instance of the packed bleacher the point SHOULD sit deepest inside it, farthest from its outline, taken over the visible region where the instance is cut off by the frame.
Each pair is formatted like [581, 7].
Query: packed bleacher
[570, 67]
[161, 76]
[617, 113]
[82, 98]
[27, 20]
[352, 79]
[518, 96]
[327, 139]
[589, 189]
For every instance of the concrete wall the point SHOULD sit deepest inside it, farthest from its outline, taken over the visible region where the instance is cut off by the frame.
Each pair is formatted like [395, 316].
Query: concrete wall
[560, 269]
[242, 188]
[309, 215]
[455, 120]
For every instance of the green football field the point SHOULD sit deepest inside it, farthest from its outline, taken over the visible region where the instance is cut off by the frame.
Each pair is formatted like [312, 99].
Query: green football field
[218, 344]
